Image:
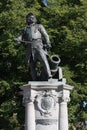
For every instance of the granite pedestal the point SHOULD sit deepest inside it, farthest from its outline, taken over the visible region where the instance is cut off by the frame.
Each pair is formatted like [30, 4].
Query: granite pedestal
[46, 105]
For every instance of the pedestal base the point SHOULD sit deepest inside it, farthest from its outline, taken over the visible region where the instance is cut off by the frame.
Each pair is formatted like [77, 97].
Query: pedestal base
[49, 105]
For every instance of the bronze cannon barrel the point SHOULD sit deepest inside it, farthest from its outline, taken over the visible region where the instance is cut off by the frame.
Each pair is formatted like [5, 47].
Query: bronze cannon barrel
[54, 62]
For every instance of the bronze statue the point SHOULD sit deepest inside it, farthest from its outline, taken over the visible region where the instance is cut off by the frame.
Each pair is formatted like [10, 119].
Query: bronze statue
[32, 35]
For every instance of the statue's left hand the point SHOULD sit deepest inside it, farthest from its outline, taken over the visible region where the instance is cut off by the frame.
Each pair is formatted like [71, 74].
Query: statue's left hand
[17, 40]
[49, 46]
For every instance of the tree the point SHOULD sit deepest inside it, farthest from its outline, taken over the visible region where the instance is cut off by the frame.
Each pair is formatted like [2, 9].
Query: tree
[66, 25]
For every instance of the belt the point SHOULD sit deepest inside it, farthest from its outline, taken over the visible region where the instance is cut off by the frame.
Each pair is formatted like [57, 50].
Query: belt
[36, 39]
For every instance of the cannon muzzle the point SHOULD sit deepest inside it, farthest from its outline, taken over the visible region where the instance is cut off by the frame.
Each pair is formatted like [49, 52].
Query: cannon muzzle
[54, 62]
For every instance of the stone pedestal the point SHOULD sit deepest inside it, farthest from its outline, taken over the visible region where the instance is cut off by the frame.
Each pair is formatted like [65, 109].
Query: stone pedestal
[46, 105]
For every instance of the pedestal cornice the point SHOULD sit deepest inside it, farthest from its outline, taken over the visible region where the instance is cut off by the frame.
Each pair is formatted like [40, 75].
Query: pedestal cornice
[46, 85]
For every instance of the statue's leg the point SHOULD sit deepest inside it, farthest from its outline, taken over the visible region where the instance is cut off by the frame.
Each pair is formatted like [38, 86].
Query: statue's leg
[45, 65]
[33, 69]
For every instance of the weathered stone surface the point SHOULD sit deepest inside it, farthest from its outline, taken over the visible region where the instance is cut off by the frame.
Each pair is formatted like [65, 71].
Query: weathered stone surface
[46, 105]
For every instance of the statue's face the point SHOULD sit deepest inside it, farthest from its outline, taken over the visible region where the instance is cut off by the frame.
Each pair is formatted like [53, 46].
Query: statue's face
[30, 19]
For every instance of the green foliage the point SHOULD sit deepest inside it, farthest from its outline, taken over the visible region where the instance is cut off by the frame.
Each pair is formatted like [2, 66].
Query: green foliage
[66, 24]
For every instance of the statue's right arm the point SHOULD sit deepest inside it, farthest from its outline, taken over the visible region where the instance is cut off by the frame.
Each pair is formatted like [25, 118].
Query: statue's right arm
[18, 39]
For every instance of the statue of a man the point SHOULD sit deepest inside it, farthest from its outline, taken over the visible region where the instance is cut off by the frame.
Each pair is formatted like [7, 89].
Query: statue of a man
[32, 35]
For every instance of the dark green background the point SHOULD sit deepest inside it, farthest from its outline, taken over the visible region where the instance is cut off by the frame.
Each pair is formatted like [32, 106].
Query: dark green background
[66, 24]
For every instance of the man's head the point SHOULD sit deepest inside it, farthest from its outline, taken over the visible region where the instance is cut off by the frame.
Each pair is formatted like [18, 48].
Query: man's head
[30, 18]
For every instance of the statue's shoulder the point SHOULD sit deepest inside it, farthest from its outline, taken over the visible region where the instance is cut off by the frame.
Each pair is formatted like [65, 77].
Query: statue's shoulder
[39, 26]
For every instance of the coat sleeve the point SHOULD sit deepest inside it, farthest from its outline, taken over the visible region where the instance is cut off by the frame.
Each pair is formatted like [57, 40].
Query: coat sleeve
[23, 34]
[20, 37]
[44, 34]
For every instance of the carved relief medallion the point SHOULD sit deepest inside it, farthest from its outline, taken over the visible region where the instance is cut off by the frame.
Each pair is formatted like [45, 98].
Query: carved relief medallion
[45, 103]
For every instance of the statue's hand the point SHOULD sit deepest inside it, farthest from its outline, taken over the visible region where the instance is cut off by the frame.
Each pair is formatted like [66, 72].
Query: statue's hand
[17, 40]
[49, 46]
